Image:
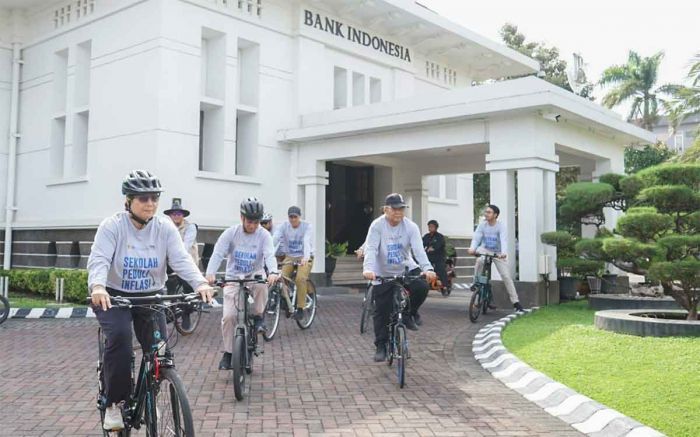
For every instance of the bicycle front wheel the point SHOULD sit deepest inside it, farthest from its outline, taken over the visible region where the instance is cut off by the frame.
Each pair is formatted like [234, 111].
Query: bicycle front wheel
[309, 307]
[475, 305]
[238, 359]
[272, 315]
[173, 416]
[401, 354]
[187, 318]
[4, 308]
[366, 311]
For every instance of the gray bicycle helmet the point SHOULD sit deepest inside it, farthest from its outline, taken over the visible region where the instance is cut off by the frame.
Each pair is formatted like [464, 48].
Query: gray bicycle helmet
[141, 182]
[252, 208]
[267, 217]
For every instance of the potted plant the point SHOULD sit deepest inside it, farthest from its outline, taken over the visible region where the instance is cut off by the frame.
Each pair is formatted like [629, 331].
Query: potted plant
[333, 251]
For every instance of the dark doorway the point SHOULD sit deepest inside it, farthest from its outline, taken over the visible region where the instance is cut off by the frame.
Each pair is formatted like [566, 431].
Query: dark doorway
[350, 200]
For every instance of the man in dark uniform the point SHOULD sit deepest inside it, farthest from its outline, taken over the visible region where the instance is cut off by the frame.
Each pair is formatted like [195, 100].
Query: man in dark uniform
[434, 244]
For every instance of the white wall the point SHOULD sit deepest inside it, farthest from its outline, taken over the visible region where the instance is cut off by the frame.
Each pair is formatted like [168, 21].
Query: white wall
[456, 217]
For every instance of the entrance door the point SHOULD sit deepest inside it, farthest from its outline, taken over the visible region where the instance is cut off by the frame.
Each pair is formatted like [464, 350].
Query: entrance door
[350, 200]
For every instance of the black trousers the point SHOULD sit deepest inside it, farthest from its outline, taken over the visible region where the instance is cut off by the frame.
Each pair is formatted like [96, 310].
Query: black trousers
[383, 304]
[440, 269]
[116, 324]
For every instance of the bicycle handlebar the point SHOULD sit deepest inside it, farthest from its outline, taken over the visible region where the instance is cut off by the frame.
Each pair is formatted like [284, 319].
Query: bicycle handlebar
[156, 299]
[402, 277]
[222, 283]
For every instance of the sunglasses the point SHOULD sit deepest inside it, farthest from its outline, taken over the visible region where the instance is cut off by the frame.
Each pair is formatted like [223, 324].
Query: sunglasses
[177, 213]
[144, 198]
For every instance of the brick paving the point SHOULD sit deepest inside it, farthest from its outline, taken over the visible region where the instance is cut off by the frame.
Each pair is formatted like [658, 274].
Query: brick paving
[317, 382]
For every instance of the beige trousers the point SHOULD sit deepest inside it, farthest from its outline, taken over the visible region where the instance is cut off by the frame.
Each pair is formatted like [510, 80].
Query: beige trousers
[231, 305]
[503, 270]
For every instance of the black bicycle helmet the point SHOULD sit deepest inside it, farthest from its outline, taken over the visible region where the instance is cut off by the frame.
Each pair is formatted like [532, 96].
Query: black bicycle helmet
[252, 208]
[141, 182]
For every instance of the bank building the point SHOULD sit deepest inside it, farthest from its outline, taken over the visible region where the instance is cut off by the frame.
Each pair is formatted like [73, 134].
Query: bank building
[324, 104]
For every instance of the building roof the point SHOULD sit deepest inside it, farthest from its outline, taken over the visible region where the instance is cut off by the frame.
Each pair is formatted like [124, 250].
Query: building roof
[528, 94]
[435, 35]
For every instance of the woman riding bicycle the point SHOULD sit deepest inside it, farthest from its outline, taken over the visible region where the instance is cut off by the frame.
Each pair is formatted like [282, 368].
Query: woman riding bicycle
[128, 258]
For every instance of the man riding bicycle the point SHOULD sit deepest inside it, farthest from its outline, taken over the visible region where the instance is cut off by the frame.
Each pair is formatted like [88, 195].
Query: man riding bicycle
[129, 258]
[248, 249]
[490, 239]
[295, 240]
[387, 252]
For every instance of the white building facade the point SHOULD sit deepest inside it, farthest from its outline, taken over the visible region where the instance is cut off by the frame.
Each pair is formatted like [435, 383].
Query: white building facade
[329, 105]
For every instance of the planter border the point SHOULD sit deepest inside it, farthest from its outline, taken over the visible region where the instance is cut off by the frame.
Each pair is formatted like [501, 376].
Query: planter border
[629, 323]
[579, 411]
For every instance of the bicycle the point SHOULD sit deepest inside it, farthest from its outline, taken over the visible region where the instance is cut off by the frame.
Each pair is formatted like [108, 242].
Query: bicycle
[4, 308]
[184, 317]
[398, 340]
[367, 309]
[245, 341]
[158, 400]
[482, 294]
[283, 297]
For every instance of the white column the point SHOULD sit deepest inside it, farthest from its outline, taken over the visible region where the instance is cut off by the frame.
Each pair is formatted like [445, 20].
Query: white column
[502, 186]
[314, 188]
[550, 218]
[467, 183]
[530, 221]
[417, 199]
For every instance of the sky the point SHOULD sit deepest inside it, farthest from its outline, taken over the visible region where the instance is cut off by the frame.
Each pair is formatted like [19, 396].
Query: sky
[602, 31]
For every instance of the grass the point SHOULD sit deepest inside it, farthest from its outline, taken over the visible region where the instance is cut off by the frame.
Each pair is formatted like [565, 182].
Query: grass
[653, 380]
[25, 300]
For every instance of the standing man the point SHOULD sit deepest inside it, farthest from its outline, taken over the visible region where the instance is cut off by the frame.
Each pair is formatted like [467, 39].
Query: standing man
[295, 240]
[248, 249]
[434, 244]
[390, 240]
[188, 234]
[490, 239]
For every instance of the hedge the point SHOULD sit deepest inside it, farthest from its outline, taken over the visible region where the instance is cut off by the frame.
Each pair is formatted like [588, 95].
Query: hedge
[43, 282]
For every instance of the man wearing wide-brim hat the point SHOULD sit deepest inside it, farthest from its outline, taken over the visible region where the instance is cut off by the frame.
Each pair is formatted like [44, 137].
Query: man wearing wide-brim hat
[188, 231]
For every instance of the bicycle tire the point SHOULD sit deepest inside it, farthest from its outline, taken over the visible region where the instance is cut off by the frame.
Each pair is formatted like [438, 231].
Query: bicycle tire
[238, 364]
[272, 315]
[475, 305]
[391, 346]
[173, 412]
[4, 309]
[401, 354]
[309, 307]
[195, 316]
[253, 340]
[366, 309]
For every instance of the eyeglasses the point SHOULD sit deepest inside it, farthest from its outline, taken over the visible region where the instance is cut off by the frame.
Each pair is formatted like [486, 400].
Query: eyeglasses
[177, 213]
[144, 198]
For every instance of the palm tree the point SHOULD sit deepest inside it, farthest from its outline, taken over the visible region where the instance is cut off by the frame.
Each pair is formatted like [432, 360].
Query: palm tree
[686, 98]
[634, 80]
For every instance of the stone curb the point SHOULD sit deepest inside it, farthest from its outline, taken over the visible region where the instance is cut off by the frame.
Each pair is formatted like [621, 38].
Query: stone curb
[580, 412]
[83, 312]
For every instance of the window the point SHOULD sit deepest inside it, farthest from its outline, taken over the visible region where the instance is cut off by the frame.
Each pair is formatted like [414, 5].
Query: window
[246, 143]
[678, 142]
[375, 90]
[440, 73]
[451, 187]
[213, 64]
[74, 10]
[433, 186]
[442, 187]
[340, 88]
[358, 89]
[248, 72]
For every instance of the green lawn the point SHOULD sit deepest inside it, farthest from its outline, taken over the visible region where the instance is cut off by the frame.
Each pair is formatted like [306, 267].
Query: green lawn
[653, 380]
[25, 300]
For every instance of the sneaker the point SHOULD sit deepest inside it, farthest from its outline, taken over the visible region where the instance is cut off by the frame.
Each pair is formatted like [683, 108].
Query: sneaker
[409, 323]
[519, 308]
[113, 418]
[298, 314]
[380, 354]
[259, 325]
[472, 286]
[417, 319]
[492, 306]
[225, 363]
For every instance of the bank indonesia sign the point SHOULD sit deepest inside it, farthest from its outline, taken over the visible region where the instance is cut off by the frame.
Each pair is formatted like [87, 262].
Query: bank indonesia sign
[342, 30]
